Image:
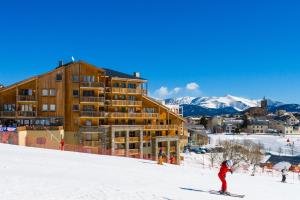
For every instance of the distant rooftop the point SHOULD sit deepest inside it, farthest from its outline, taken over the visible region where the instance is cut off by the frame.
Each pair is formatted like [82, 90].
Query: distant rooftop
[113, 73]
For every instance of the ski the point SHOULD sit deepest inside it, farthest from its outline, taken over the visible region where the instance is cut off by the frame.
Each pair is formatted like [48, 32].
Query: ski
[226, 194]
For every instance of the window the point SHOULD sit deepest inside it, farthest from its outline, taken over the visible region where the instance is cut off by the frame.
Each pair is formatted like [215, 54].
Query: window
[52, 92]
[88, 93]
[52, 107]
[123, 85]
[88, 78]
[88, 137]
[116, 85]
[58, 76]
[45, 107]
[26, 107]
[75, 78]
[9, 107]
[88, 123]
[75, 93]
[75, 107]
[44, 92]
[131, 85]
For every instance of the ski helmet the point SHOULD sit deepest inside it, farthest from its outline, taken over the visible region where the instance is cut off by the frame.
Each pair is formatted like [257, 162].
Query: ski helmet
[229, 163]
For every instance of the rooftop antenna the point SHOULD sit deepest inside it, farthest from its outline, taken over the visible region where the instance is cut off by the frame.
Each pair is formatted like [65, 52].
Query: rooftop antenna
[73, 59]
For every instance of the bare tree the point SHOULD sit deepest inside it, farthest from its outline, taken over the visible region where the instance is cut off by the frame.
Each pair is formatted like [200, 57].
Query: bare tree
[214, 158]
[292, 148]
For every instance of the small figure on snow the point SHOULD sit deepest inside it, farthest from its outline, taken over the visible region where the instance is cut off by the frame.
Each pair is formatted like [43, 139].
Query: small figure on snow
[284, 174]
[62, 145]
[226, 166]
[160, 157]
[253, 170]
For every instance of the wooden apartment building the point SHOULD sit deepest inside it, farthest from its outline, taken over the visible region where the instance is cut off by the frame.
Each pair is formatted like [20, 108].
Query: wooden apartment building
[103, 110]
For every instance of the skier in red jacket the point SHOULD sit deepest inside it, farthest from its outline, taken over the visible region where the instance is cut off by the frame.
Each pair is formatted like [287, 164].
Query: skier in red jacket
[226, 166]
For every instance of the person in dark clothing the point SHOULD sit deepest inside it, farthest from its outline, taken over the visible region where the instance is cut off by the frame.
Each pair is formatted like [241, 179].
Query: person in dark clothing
[284, 174]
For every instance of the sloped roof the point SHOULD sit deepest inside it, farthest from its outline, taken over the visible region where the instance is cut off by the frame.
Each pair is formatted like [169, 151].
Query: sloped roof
[294, 160]
[113, 73]
[165, 107]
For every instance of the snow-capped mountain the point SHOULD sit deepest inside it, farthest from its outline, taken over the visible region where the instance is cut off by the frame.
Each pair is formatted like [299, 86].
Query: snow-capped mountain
[180, 100]
[238, 103]
[223, 105]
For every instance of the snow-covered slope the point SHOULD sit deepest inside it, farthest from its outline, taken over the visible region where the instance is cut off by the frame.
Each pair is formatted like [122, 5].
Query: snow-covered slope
[35, 174]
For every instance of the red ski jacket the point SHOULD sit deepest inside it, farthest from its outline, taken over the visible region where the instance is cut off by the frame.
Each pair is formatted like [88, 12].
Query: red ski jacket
[224, 169]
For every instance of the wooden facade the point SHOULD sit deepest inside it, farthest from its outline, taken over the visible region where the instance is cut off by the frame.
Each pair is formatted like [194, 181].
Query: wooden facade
[99, 108]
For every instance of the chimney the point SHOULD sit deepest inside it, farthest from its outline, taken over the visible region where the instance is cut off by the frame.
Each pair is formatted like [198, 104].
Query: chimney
[60, 63]
[137, 74]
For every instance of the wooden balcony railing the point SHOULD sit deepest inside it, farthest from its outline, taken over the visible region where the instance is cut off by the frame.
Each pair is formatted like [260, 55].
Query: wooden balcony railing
[26, 98]
[7, 113]
[120, 139]
[40, 127]
[120, 152]
[134, 139]
[134, 151]
[172, 149]
[92, 99]
[133, 115]
[92, 84]
[126, 103]
[129, 90]
[146, 138]
[26, 113]
[161, 127]
[95, 129]
[93, 114]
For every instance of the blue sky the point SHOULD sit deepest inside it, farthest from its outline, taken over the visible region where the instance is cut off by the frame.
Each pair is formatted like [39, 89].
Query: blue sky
[204, 47]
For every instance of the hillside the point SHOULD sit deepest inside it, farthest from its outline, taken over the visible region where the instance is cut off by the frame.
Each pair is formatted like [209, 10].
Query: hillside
[35, 174]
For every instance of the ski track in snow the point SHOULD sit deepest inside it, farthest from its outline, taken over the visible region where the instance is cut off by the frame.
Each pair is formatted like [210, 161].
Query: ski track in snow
[41, 174]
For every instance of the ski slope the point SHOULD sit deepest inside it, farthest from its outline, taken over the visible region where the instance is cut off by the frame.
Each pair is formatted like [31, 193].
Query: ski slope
[41, 174]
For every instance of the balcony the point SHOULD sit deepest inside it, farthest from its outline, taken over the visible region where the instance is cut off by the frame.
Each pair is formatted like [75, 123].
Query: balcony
[126, 103]
[119, 152]
[93, 114]
[26, 113]
[40, 127]
[133, 115]
[161, 127]
[134, 151]
[172, 149]
[134, 139]
[26, 98]
[90, 129]
[119, 140]
[147, 138]
[92, 100]
[129, 90]
[91, 143]
[7, 113]
[92, 85]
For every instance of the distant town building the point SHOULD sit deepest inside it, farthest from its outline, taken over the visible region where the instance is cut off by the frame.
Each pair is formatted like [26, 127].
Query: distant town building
[258, 111]
[258, 126]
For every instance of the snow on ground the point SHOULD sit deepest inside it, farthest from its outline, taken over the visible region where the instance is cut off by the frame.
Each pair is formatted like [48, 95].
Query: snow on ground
[271, 143]
[41, 174]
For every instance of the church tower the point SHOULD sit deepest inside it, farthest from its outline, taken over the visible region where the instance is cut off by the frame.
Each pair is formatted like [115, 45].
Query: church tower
[264, 104]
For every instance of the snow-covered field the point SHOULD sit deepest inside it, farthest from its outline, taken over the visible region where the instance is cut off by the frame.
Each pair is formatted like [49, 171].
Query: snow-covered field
[41, 174]
[271, 143]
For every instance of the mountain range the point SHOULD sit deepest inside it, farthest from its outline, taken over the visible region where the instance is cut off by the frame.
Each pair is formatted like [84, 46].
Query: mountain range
[193, 106]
